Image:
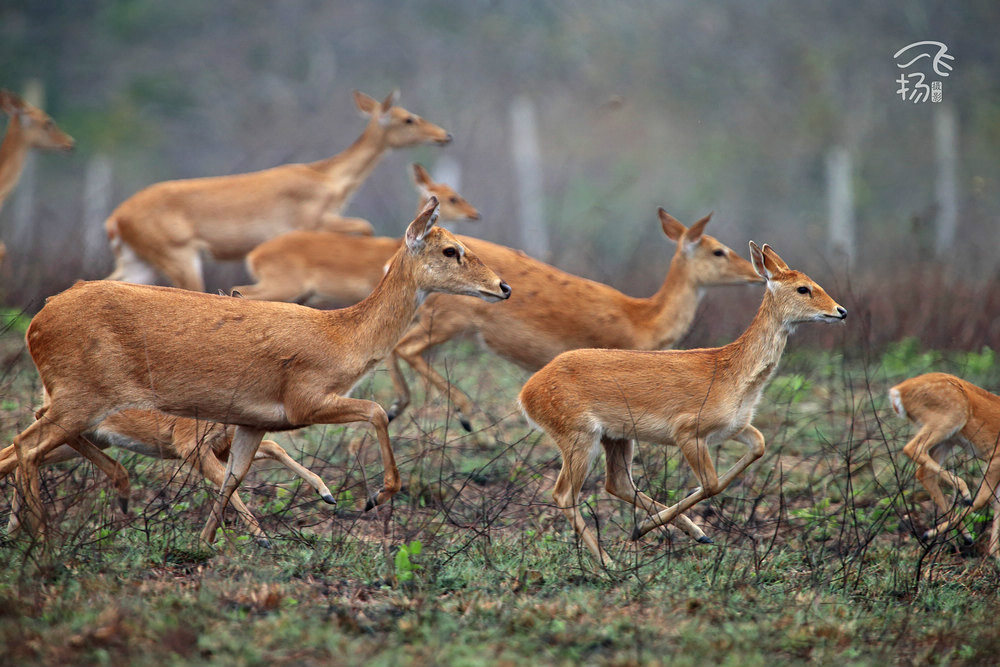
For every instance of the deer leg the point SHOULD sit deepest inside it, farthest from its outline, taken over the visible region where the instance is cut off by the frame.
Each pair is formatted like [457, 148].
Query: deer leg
[695, 450]
[619, 483]
[931, 483]
[114, 470]
[577, 456]
[918, 449]
[245, 443]
[269, 449]
[987, 493]
[182, 266]
[214, 471]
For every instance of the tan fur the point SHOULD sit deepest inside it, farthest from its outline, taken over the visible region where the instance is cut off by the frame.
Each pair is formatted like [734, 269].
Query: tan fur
[202, 445]
[554, 311]
[337, 269]
[102, 347]
[687, 398]
[950, 411]
[166, 226]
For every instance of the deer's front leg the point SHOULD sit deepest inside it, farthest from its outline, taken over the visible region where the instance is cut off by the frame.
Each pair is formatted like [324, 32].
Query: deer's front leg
[245, 443]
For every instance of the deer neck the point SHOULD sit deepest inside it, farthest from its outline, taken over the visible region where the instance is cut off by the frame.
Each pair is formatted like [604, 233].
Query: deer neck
[670, 312]
[13, 152]
[754, 356]
[347, 170]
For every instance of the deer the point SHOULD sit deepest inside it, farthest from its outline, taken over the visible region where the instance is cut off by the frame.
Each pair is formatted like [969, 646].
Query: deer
[164, 228]
[556, 311]
[102, 347]
[203, 445]
[592, 398]
[29, 127]
[328, 267]
[952, 412]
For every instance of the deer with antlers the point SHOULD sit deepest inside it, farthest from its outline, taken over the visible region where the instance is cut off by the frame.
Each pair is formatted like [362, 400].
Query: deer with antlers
[342, 269]
[555, 311]
[165, 227]
[103, 347]
[951, 412]
[586, 399]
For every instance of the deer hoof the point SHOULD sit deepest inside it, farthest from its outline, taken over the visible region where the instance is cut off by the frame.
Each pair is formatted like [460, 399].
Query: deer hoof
[123, 503]
[636, 534]
[263, 542]
[705, 539]
[372, 502]
[392, 412]
[328, 498]
[967, 501]
[466, 424]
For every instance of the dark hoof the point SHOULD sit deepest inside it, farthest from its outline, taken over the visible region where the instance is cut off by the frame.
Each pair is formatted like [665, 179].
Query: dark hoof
[123, 503]
[392, 413]
[263, 542]
[927, 536]
[705, 539]
[372, 502]
[328, 498]
[967, 502]
[967, 540]
[466, 424]
[636, 534]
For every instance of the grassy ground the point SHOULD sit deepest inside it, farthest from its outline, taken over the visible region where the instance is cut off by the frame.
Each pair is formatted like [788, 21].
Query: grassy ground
[817, 556]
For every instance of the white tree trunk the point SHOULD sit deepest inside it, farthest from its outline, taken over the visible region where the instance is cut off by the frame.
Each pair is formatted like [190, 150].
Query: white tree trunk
[946, 188]
[840, 198]
[528, 177]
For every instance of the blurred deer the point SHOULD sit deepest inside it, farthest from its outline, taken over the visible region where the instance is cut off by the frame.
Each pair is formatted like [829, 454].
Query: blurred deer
[203, 445]
[164, 227]
[29, 127]
[342, 269]
[585, 399]
[555, 311]
[103, 347]
[952, 412]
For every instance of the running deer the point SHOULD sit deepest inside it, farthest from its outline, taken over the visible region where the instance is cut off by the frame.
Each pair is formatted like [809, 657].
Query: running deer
[164, 227]
[103, 347]
[204, 445]
[555, 311]
[29, 127]
[342, 269]
[950, 412]
[689, 398]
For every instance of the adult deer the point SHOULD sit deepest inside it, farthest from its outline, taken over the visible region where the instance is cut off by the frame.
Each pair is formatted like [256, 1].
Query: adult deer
[341, 269]
[29, 127]
[689, 398]
[950, 412]
[204, 445]
[164, 227]
[555, 311]
[102, 347]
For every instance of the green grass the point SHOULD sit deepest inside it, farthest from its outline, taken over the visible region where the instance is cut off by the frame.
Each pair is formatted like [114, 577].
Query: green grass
[817, 556]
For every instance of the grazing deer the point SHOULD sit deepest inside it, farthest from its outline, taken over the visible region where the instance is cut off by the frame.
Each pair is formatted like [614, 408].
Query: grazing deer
[689, 398]
[950, 412]
[102, 347]
[164, 227]
[29, 127]
[555, 311]
[341, 269]
[157, 435]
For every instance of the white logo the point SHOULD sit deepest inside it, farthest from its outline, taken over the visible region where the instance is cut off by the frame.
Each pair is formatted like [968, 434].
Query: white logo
[913, 85]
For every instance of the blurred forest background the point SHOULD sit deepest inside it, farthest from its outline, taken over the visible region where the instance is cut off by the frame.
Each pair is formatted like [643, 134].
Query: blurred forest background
[780, 116]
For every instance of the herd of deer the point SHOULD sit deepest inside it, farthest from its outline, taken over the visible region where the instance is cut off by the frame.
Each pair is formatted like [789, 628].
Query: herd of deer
[177, 373]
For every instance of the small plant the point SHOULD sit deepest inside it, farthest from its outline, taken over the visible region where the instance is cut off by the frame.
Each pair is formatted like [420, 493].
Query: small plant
[405, 567]
[904, 358]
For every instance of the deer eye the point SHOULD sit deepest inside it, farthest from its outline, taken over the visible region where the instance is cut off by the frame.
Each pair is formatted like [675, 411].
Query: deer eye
[48, 125]
[409, 120]
[453, 200]
[719, 253]
[449, 252]
[804, 290]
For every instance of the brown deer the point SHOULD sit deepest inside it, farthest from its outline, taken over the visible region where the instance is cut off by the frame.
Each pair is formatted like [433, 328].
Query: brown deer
[202, 445]
[103, 347]
[952, 412]
[29, 127]
[341, 269]
[555, 311]
[585, 399]
[164, 227]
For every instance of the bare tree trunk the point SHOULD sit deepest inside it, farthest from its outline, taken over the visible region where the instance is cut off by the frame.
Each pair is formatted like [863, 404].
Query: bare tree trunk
[22, 236]
[840, 196]
[946, 188]
[528, 176]
[96, 207]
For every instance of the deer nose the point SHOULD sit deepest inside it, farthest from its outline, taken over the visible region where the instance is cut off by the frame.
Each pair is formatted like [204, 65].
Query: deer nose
[505, 289]
[842, 311]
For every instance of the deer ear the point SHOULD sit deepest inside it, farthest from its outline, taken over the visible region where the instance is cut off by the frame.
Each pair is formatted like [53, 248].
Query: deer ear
[420, 175]
[757, 259]
[365, 104]
[773, 259]
[418, 229]
[10, 102]
[696, 230]
[390, 100]
[672, 227]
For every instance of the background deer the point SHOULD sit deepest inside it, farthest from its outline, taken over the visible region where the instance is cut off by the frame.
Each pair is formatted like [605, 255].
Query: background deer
[555, 311]
[338, 269]
[102, 347]
[205, 445]
[164, 227]
[585, 399]
[951, 412]
[29, 127]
